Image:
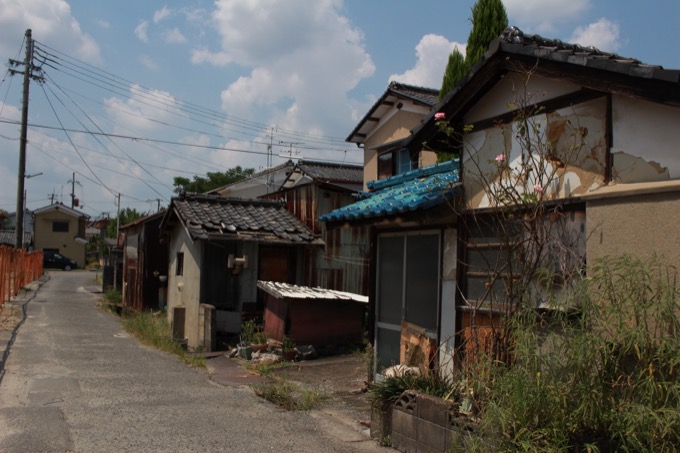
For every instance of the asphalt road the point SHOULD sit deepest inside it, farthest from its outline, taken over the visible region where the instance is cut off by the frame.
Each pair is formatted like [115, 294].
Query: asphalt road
[75, 381]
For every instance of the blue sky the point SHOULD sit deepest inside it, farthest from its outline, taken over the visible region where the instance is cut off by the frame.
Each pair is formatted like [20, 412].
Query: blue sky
[192, 87]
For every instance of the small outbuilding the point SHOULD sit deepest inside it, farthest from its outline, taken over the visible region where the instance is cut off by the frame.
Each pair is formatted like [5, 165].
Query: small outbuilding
[316, 316]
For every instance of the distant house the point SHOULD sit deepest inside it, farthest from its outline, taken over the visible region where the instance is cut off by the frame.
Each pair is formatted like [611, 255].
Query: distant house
[399, 110]
[620, 193]
[259, 184]
[61, 229]
[218, 249]
[312, 189]
[145, 264]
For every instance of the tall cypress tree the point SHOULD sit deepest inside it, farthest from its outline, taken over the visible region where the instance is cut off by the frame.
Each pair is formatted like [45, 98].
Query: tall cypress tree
[489, 19]
[455, 70]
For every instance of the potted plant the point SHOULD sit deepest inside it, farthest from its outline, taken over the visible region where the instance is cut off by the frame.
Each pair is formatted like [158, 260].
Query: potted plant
[288, 351]
[245, 350]
[259, 342]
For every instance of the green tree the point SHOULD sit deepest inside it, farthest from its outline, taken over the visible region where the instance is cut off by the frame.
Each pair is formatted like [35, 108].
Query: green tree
[126, 215]
[213, 180]
[489, 19]
[455, 70]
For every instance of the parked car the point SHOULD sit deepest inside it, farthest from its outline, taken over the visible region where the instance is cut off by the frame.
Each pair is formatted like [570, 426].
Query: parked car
[58, 261]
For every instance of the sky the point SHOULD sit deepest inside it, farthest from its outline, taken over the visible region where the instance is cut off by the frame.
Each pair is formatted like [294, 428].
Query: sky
[134, 93]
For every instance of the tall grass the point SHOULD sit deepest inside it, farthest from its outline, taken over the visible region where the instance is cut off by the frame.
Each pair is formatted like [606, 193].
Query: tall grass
[155, 331]
[603, 377]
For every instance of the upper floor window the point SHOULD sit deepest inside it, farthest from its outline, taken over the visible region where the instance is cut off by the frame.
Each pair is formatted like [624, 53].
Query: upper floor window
[179, 270]
[396, 162]
[59, 226]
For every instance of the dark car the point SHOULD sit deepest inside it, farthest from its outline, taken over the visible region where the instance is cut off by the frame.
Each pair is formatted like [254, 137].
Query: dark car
[58, 261]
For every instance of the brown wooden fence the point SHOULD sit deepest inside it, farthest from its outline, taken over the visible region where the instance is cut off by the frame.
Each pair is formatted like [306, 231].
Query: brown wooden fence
[17, 268]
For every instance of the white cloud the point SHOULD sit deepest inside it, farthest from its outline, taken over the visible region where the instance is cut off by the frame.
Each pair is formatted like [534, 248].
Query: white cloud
[51, 21]
[148, 62]
[303, 57]
[174, 36]
[603, 34]
[141, 31]
[134, 114]
[432, 55]
[161, 14]
[104, 24]
[543, 16]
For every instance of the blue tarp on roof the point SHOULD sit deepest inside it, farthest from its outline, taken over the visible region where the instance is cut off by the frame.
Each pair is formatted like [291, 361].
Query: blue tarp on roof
[415, 190]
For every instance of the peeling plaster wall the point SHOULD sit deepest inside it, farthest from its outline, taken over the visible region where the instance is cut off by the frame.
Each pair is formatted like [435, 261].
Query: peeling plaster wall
[578, 158]
[646, 141]
[640, 225]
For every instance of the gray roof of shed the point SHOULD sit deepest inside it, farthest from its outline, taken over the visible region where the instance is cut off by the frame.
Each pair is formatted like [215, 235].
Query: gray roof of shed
[288, 291]
[227, 219]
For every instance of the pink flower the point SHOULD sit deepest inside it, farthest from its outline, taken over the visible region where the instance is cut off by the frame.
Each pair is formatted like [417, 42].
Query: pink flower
[538, 188]
[500, 158]
[439, 116]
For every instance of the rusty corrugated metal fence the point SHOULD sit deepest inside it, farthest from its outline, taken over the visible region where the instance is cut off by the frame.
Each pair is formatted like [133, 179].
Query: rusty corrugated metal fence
[17, 268]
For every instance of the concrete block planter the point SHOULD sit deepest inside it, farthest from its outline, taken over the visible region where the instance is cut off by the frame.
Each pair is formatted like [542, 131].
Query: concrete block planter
[423, 423]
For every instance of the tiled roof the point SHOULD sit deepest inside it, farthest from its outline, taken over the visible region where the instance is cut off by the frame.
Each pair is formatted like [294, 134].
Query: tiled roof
[415, 190]
[216, 218]
[61, 207]
[288, 291]
[513, 40]
[332, 172]
[428, 97]
[591, 67]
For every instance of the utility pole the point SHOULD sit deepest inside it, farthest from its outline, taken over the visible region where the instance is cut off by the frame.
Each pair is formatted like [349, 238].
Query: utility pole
[19, 240]
[73, 189]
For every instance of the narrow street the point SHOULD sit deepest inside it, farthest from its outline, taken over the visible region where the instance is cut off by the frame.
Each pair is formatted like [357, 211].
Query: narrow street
[75, 381]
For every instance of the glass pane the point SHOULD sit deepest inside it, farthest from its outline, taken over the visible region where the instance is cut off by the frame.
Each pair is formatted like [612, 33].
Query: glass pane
[404, 161]
[482, 289]
[390, 279]
[387, 348]
[422, 285]
[384, 165]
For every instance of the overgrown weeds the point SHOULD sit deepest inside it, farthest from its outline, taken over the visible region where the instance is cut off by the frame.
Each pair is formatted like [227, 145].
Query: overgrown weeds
[290, 396]
[154, 330]
[603, 377]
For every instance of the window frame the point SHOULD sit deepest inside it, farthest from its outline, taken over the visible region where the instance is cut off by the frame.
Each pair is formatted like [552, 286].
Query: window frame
[62, 223]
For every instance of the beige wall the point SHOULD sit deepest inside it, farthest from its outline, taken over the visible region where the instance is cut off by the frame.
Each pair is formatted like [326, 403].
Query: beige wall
[45, 238]
[185, 290]
[395, 127]
[639, 225]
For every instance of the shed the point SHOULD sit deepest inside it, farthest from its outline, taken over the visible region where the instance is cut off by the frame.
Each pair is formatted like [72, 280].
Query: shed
[317, 316]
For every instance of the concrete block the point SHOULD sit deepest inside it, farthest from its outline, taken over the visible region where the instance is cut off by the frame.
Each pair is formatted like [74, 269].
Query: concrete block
[404, 443]
[403, 423]
[431, 435]
[434, 410]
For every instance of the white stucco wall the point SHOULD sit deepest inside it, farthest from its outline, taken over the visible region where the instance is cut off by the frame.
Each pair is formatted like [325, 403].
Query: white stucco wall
[511, 90]
[646, 141]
